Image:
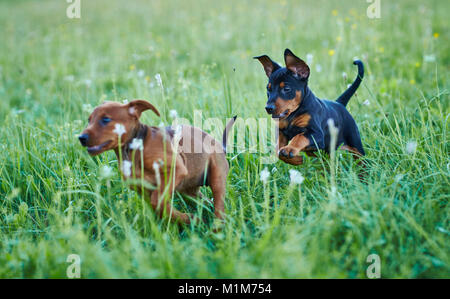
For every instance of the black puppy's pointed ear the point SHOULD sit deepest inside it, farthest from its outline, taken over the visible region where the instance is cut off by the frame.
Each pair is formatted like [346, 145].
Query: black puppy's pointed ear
[269, 65]
[296, 65]
[136, 107]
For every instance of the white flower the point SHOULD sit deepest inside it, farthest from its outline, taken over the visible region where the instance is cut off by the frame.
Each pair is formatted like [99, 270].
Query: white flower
[137, 144]
[332, 127]
[429, 58]
[69, 78]
[173, 113]
[125, 101]
[141, 73]
[344, 75]
[348, 85]
[119, 129]
[105, 171]
[274, 170]
[318, 68]
[88, 82]
[399, 177]
[158, 80]
[177, 134]
[330, 123]
[87, 108]
[411, 147]
[296, 177]
[366, 102]
[156, 169]
[126, 168]
[264, 175]
[309, 58]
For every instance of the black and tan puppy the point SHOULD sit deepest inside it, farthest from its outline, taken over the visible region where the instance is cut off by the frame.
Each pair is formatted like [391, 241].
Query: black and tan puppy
[173, 161]
[303, 118]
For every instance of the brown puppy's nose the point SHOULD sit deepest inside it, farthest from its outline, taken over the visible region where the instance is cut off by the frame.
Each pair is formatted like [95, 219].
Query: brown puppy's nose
[83, 139]
[270, 109]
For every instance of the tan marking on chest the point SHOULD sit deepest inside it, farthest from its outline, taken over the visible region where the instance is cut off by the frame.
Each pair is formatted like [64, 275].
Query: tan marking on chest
[282, 124]
[302, 120]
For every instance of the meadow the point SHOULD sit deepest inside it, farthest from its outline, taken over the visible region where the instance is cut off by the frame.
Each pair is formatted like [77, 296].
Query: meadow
[55, 200]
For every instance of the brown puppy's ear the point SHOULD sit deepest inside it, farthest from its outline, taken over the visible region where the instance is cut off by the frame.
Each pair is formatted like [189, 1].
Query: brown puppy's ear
[296, 65]
[269, 65]
[136, 107]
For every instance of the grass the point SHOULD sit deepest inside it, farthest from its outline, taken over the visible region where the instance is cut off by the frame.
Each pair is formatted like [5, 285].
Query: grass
[54, 203]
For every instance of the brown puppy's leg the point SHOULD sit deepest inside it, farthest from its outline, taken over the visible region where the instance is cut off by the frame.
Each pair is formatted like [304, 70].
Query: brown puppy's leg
[217, 181]
[163, 206]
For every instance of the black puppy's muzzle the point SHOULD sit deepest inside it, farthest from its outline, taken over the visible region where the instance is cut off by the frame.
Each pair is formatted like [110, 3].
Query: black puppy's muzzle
[270, 109]
[83, 139]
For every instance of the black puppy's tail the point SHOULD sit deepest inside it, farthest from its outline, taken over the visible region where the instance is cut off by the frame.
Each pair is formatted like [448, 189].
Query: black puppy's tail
[345, 97]
[226, 132]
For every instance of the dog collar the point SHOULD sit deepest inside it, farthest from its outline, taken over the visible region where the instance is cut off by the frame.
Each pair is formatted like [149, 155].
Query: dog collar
[139, 133]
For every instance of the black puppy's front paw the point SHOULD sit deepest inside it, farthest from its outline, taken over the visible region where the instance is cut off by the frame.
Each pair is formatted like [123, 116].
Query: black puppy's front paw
[289, 151]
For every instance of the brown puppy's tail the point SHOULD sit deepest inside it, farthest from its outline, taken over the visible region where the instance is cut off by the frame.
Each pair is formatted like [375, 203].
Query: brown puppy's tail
[226, 132]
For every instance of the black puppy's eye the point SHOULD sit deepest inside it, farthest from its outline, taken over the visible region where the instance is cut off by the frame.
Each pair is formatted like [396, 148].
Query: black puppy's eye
[105, 120]
[286, 89]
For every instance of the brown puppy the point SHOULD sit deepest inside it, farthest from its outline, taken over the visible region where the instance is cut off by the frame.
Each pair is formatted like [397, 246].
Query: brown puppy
[180, 160]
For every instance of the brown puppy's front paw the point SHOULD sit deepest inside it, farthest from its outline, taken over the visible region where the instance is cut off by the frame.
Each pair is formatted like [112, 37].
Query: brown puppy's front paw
[288, 152]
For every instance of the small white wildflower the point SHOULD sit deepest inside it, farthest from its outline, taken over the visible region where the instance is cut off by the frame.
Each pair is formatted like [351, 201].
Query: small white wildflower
[344, 75]
[274, 170]
[119, 129]
[348, 85]
[157, 176]
[126, 168]
[141, 73]
[309, 58]
[330, 122]
[105, 171]
[137, 144]
[28, 91]
[69, 78]
[87, 108]
[366, 102]
[177, 135]
[161, 125]
[399, 177]
[296, 177]
[332, 127]
[125, 101]
[411, 147]
[429, 58]
[88, 83]
[318, 68]
[173, 113]
[158, 80]
[264, 175]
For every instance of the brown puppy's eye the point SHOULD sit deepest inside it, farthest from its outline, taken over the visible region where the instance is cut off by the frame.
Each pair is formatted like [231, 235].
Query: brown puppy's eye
[105, 120]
